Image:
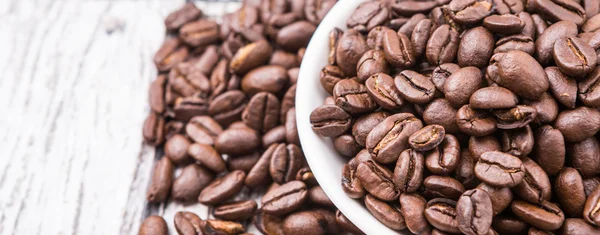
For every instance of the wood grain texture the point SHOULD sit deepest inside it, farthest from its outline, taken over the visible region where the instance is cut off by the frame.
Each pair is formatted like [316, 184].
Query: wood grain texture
[73, 89]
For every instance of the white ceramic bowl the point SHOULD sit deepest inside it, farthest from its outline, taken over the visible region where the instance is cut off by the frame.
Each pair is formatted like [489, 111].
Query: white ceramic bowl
[325, 162]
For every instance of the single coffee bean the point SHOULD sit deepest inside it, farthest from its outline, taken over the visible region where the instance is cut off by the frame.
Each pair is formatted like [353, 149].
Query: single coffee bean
[317, 196]
[221, 227]
[199, 33]
[441, 73]
[573, 226]
[556, 10]
[475, 122]
[334, 36]
[435, 186]
[388, 214]
[268, 224]
[291, 130]
[154, 225]
[564, 89]
[508, 6]
[250, 56]
[409, 25]
[516, 117]
[414, 87]
[569, 190]
[173, 128]
[464, 171]
[285, 199]
[588, 89]
[546, 108]
[285, 59]
[156, 94]
[187, 223]
[285, 163]
[262, 112]
[330, 120]
[203, 129]
[530, 25]
[493, 98]
[441, 213]
[368, 15]
[269, 78]
[176, 149]
[207, 156]
[578, 124]
[515, 42]
[544, 45]
[241, 210]
[398, 49]
[371, 63]
[375, 37]
[504, 24]
[162, 178]
[536, 185]
[573, 56]
[353, 97]
[208, 60]
[459, 87]
[549, 149]
[315, 11]
[413, 206]
[364, 124]
[535, 231]
[408, 173]
[185, 14]
[501, 197]
[219, 78]
[227, 107]
[389, 138]
[377, 180]
[411, 8]
[474, 212]
[382, 89]
[427, 138]
[304, 222]
[540, 24]
[442, 45]
[222, 188]
[444, 158]
[237, 141]
[190, 182]
[545, 215]
[475, 47]
[186, 108]
[441, 112]
[519, 72]
[345, 224]
[331, 75]
[350, 47]
[170, 53]
[259, 175]
[590, 184]
[346, 145]
[421, 34]
[517, 142]
[154, 129]
[585, 156]
[243, 162]
[287, 102]
[467, 12]
[275, 135]
[350, 182]
[295, 35]
[592, 205]
[500, 169]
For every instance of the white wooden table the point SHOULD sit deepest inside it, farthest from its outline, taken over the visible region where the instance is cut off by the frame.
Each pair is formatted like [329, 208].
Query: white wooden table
[74, 76]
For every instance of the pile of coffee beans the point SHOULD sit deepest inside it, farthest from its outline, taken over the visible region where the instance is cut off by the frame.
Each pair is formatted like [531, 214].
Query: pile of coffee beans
[223, 112]
[469, 116]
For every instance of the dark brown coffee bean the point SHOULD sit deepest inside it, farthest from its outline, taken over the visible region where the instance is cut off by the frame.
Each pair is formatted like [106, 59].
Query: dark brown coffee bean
[345, 224]
[570, 191]
[346, 145]
[171, 53]
[259, 174]
[368, 15]
[587, 89]
[501, 197]
[221, 227]
[504, 24]
[475, 122]
[549, 149]
[291, 130]
[296, 35]
[441, 213]
[556, 10]
[219, 78]
[207, 156]
[387, 214]
[474, 212]
[563, 88]
[156, 94]
[540, 24]
[435, 186]
[408, 173]
[162, 178]
[544, 215]
[237, 141]
[442, 45]
[268, 224]
[459, 87]
[305, 222]
[412, 207]
[331, 75]
[509, 224]
[275, 135]
[240, 210]
[530, 25]
[285, 199]
[154, 129]
[516, 42]
[427, 138]
[377, 180]
[464, 172]
[493, 98]
[390, 137]
[592, 205]
[536, 185]
[382, 89]
[187, 223]
[578, 124]
[517, 142]
[222, 188]
[398, 49]
[269, 78]
[350, 182]
[285, 163]
[243, 162]
[227, 107]
[411, 8]
[591, 24]
[154, 225]
[441, 73]
[287, 102]
[414, 87]
[573, 56]
[516, 117]
[199, 33]
[500, 169]
[468, 12]
[544, 45]
[420, 35]
[371, 63]
[188, 107]
[375, 37]
[444, 158]
[508, 6]
[190, 182]
[330, 120]
[317, 196]
[262, 112]
[284, 59]
[440, 112]
[250, 56]
[350, 47]
[185, 14]
[353, 97]
[509, 70]
[546, 108]
[585, 156]
[364, 124]
[409, 24]
[203, 129]
[176, 149]
[573, 226]
[475, 47]
[590, 184]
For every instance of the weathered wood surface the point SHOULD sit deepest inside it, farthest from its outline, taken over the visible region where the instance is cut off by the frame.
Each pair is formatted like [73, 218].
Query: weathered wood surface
[73, 93]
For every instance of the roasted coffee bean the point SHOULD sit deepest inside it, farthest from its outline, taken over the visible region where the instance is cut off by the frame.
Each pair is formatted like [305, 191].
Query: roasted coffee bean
[267, 223]
[285, 199]
[475, 47]
[441, 112]
[536, 185]
[350, 182]
[588, 89]
[222, 188]
[408, 173]
[237, 141]
[284, 59]
[516, 117]
[350, 47]
[549, 149]
[493, 98]
[421, 34]
[569, 190]
[382, 89]
[519, 72]
[173, 128]
[156, 94]
[295, 36]
[203, 130]
[388, 214]
[413, 206]
[409, 26]
[221, 227]
[154, 225]
[585, 156]
[441, 213]
[186, 81]
[480, 145]
[207, 156]
[444, 158]
[262, 112]
[459, 87]
[441, 73]
[187, 223]
[544, 45]
[259, 175]
[330, 120]
[170, 54]
[442, 45]
[375, 37]
[530, 25]
[317, 196]
[474, 212]
[546, 108]
[346, 145]
[590, 184]
[243, 162]
[398, 49]
[240, 210]
[427, 138]
[540, 24]
[377, 180]
[592, 205]
[199, 33]
[517, 142]
[578, 124]
[411, 8]
[591, 24]
[275, 135]
[293, 74]
[285, 163]
[162, 178]
[368, 15]
[573, 56]
[573, 226]
[176, 149]
[508, 6]
[500, 169]
[516, 42]
[219, 78]
[334, 36]
[291, 129]
[330, 75]
[315, 11]
[353, 97]
[269, 78]
[227, 107]
[154, 129]
[189, 107]
[305, 222]
[250, 56]
[475, 122]
[435, 186]
[545, 215]
[556, 10]
[564, 89]
[509, 224]
[504, 24]
[305, 175]
[364, 124]
[389, 138]
[345, 224]
[464, 172]
[468, 12]
[414, 87]
[501, 197]
[190, 182]
[185, 14]
[371, 63]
